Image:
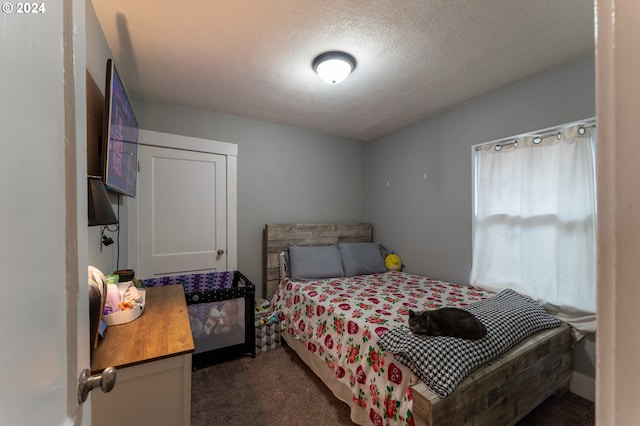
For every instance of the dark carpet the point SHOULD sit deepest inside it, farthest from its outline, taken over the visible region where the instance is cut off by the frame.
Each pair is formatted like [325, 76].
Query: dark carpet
[276, 388]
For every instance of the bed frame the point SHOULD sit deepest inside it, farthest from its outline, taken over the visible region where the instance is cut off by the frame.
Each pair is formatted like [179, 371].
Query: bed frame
[499, 393]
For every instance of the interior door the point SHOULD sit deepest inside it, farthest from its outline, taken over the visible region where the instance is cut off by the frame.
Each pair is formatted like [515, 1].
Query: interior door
[182, 219]
[43, 241]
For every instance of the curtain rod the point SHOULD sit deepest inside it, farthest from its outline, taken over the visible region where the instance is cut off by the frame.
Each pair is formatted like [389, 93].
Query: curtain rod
[588, 123]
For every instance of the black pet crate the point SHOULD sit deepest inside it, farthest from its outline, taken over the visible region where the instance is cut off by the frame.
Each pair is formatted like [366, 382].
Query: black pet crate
[221, 309]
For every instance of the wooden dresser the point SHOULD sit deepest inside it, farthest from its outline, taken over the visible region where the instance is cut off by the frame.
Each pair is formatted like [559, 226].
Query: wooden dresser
[152, 356]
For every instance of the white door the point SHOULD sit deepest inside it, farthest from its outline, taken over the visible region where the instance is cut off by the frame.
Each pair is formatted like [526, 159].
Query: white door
[182, 218]
[43, 239]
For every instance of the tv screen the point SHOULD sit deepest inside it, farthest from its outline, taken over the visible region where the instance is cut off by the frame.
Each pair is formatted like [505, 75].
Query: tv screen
[120, 137]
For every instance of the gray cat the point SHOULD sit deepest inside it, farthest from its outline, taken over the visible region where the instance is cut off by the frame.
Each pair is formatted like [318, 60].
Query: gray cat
[452, 322]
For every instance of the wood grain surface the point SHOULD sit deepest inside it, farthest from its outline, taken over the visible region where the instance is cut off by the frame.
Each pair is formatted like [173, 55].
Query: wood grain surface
[504, 390]
[162, 331]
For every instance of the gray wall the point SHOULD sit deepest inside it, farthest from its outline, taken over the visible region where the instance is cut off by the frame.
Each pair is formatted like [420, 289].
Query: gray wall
[98, 51]
[428, 221]
[285, 174]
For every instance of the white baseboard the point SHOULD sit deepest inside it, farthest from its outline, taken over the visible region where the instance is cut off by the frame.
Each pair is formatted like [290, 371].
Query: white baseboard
[583, 385]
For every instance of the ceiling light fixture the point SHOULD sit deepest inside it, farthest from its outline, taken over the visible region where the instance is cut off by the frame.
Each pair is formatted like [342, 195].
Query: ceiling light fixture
[334, 67]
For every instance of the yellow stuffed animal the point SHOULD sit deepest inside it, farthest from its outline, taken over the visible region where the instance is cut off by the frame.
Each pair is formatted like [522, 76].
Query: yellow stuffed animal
[393, 262]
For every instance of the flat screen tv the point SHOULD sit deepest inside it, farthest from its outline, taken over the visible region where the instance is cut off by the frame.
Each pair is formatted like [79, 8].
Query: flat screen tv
[120, 137]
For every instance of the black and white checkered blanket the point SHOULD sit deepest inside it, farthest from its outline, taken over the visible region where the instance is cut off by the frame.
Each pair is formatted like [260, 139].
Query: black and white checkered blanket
[443, 362]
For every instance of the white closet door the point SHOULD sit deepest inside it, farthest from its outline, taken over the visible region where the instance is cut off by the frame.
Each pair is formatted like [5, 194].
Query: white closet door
[182, 211]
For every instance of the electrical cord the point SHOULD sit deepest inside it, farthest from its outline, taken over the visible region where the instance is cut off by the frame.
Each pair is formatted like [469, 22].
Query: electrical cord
[107, 241]
[118, 237]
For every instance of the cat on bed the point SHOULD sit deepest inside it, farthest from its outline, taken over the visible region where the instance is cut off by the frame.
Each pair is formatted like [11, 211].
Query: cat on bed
[452, 322]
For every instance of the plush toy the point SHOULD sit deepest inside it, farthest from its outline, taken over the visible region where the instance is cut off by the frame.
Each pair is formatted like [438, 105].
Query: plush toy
[214, 321]
[197, 328]
[393, 262]
[230, 314]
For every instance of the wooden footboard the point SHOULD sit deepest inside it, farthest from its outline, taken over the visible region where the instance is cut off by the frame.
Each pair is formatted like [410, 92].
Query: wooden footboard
[499, 393]
[506, 389]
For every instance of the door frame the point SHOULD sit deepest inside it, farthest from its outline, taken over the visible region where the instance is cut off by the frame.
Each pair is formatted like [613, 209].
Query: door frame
[76, 218]
[189, 143]
[617, 104]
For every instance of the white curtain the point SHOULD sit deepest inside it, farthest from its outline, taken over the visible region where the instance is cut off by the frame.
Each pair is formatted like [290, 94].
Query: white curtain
[535, 222]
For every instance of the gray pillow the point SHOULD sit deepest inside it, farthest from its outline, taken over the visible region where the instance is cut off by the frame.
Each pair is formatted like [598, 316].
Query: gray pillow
[361, 259]
[314, 262]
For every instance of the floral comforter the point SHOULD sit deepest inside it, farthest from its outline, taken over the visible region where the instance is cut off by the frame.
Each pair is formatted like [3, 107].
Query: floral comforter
[341, 319]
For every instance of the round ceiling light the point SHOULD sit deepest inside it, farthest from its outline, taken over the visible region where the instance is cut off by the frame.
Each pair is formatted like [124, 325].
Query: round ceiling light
[334, 67]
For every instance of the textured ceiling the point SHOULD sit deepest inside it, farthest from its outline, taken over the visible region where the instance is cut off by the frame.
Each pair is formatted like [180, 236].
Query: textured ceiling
[415, 58]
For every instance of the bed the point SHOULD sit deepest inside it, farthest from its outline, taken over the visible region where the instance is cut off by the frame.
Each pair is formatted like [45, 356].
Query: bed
[378, 388]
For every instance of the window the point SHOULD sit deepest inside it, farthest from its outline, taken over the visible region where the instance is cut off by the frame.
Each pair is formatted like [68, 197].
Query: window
[534, 221]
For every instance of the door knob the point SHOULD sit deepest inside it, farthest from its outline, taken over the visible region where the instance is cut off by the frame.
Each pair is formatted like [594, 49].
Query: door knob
[220, 252]
[87, 382]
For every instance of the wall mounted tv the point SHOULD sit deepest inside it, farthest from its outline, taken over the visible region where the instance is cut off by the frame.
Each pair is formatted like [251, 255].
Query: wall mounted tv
[120, 137]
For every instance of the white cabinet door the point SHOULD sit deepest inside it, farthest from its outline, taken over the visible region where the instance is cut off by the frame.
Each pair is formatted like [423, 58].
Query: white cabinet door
[182, 217]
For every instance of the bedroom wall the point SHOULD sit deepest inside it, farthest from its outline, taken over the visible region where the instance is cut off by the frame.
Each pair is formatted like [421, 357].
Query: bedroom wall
[285, 174]
[419, 178]
[413, 185]
[98, 51]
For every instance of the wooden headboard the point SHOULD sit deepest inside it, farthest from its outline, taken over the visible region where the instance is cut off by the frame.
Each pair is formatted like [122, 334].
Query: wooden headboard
[276, 238]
